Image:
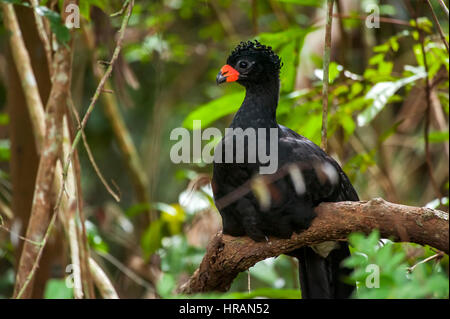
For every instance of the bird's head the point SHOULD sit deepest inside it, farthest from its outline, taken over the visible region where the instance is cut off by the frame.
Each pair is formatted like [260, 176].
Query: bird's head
[250, 63]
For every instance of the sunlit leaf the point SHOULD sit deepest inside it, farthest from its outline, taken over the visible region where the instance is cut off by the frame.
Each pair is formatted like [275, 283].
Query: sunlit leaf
[215, 109]
[57, 289]
[380, 94]
[151, 239]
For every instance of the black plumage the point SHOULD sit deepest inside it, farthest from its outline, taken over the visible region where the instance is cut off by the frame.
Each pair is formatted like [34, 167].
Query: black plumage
[292, 196]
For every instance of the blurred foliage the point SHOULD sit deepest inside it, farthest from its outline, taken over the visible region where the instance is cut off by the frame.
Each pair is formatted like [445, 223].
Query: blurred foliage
[57, 289]
[393, 277]
[172, 52]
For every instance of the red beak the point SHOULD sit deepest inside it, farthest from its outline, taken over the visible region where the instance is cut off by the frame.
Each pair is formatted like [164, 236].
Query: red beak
[227, 74]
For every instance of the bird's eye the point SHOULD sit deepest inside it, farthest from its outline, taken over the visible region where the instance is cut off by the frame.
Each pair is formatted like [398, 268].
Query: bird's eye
[243, 64]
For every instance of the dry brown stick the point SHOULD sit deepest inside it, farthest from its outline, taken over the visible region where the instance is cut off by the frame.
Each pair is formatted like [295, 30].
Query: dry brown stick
[227, 256]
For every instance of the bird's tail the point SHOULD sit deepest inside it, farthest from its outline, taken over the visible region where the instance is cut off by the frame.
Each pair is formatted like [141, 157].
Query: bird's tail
[322, 278]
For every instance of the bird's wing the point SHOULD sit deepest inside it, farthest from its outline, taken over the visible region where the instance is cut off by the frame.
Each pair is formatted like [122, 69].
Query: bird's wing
[325, 179]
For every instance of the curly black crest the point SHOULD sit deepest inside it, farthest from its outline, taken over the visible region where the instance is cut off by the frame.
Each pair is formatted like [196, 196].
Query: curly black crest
[255, 46]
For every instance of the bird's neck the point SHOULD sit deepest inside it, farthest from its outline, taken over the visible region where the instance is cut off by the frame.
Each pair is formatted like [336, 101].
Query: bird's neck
[258, 110]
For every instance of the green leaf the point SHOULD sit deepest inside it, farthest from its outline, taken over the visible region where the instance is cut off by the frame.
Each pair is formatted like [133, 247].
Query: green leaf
[4, 119]
[438, 136]
[165, 286]
[94, 239]
[264, 271]
[85, 10]
[57, 289]
[288, 43]
[151, 239]
[57, 26]
[137, 209]
[380, 94]
[5, 150]
[214, 110]
[333, 72]
[307, 3]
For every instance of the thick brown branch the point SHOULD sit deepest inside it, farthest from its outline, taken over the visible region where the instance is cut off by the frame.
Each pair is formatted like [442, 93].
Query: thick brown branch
[227, 256]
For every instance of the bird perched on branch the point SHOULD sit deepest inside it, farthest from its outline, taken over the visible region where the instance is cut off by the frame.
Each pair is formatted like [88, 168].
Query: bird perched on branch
[282, 202]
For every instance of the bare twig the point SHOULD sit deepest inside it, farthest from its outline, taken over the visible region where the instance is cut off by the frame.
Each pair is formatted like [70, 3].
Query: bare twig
[438, 256]
[102, 281]
[127, 271]
[444, 7]
[90, 155]
[19, 236]
[438, 26]
[326, 65]
[30, 275]
[227, 256]
[100, 85]
[122, 134]
[121, 11]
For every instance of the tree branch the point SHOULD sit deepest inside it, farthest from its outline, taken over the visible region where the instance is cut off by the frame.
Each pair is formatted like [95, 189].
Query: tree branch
[326, 66]
[227, 256]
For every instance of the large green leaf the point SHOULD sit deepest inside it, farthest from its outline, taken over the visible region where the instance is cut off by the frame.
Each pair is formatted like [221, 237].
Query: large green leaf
[382, 92]
[57, 289]
[151, 239]
[214, 110]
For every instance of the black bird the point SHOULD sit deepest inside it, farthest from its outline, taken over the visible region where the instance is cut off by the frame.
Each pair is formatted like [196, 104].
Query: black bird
[306, 176]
